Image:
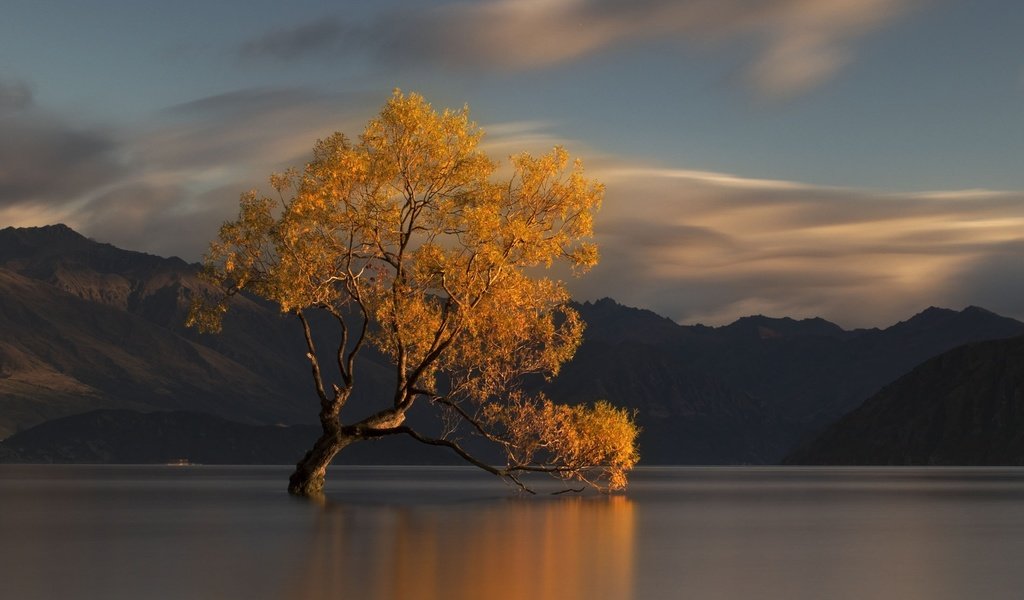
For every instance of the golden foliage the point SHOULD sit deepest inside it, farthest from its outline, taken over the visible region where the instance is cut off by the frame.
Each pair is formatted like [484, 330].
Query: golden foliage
[409, 229]
[594, 444]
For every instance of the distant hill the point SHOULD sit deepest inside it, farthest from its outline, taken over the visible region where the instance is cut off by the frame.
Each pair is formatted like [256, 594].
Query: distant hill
[86, 326]
[964, 407]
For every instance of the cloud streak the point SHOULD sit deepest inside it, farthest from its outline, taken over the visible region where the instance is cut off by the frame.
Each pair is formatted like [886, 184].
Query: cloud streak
[797, 44]
[48, 161]
[320, 36]
[708, 247]
[166, 186]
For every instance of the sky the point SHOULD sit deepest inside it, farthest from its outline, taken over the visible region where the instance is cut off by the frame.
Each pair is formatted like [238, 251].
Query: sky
[858, 160]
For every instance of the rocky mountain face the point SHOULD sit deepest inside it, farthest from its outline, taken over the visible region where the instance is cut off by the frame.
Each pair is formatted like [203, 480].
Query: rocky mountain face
[85, 326]
[963, 407]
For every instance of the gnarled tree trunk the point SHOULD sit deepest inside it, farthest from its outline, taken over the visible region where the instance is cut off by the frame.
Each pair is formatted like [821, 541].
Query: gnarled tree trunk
[308, 477]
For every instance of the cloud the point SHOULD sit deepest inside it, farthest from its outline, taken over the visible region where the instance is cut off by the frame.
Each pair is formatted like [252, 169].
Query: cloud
[709, 247]
[797, 44]
[315, 37]
[160, 219]
[994, 280]
[192, 162]
[15, 96]
[166, 186]
[267, 128]
[48, 161]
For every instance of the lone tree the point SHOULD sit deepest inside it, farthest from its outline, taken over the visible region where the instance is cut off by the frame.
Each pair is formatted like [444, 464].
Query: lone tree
[409, 241]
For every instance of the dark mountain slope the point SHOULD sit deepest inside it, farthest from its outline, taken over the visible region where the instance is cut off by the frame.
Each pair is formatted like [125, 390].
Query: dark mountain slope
[156, 289]
[60, 354]
[964, 407]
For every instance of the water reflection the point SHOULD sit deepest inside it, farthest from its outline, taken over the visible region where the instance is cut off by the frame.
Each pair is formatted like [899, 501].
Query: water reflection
[774, 534]
[567, 548]
[830, 533]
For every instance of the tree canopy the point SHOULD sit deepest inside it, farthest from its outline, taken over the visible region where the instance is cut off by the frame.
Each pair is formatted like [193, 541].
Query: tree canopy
[415, 242]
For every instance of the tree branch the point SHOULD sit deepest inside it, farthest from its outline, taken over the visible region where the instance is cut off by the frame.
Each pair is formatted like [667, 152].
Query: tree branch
[311, 355]
[454, 446]
[466, 417]
[346, 374]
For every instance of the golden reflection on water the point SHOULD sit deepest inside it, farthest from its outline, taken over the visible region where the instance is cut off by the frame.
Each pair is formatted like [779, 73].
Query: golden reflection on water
[567, 548]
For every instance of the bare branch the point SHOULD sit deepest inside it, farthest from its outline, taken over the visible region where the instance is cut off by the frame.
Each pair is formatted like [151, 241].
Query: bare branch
[311, 355]
[437, 348]
[469, 419]
[454, 446]
[346, 374]
[352, 286]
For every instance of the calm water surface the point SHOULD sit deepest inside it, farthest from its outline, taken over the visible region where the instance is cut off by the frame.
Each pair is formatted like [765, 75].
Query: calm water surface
[765, 533]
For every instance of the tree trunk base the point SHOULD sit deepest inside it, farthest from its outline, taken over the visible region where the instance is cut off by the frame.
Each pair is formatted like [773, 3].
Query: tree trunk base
[305, 484]
[308, 478]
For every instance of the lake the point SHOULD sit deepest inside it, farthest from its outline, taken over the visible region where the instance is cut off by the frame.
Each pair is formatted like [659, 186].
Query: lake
[232, 532]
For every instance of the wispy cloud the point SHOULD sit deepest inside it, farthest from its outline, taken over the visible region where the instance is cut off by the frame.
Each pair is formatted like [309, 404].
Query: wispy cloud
[166, 186]
[47, 160]
[324, 35]
[708, 247]
[796, 44]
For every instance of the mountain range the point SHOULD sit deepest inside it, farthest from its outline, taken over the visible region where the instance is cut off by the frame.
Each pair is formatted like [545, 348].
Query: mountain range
[86, 326]
[751, 391]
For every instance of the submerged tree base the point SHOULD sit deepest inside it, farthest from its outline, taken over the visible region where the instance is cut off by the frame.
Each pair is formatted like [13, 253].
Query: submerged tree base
[306, 487]
[308, 478]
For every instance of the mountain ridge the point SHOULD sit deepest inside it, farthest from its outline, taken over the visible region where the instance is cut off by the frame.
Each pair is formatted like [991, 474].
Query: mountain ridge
[742, 393]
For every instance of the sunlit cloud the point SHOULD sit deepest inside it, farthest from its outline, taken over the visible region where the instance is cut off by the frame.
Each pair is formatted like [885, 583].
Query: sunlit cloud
[797, 44]
[502, 140]
[708, 247]
[30, 215]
